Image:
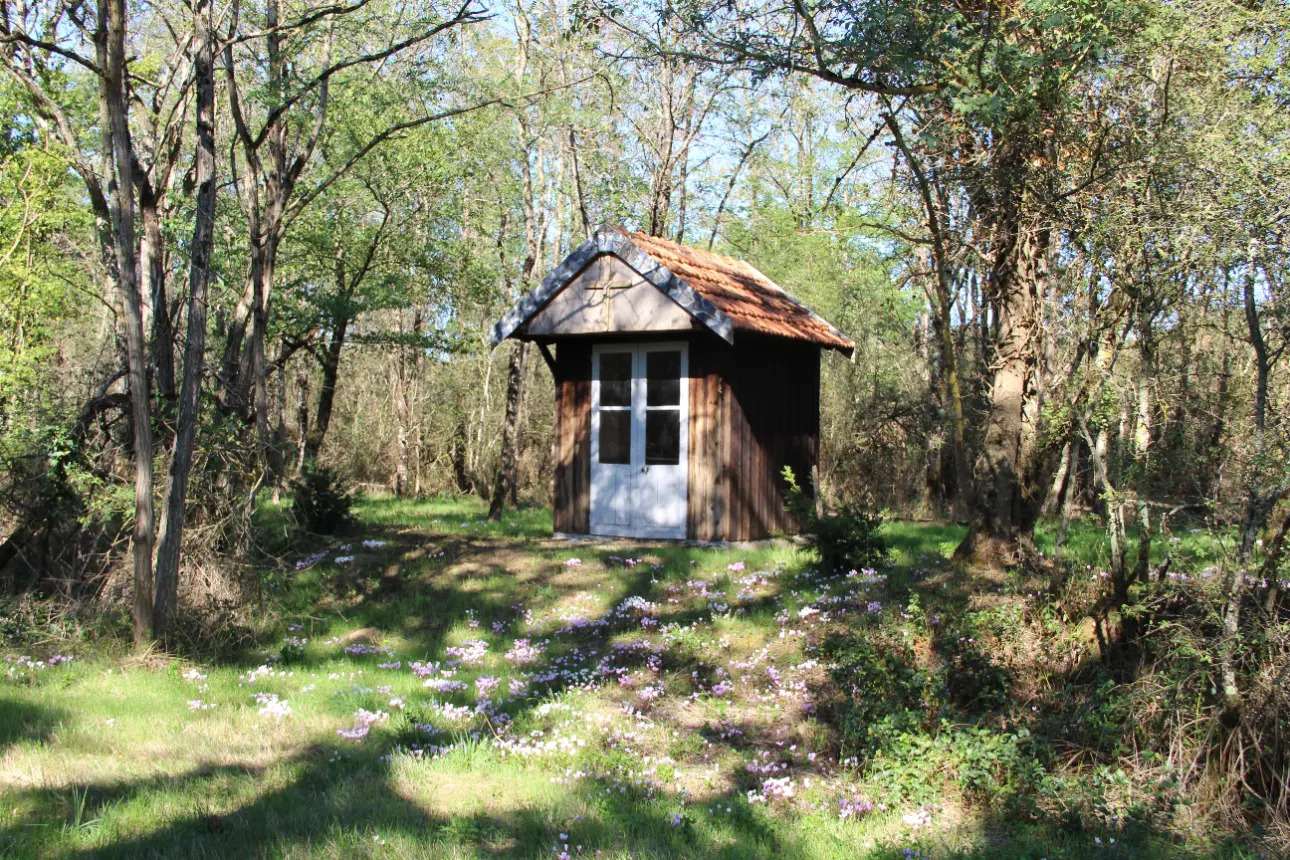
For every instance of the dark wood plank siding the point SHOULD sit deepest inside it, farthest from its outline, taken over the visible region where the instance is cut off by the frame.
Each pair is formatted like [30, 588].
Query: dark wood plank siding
[571, 480]
[706, 420]
[773, 420]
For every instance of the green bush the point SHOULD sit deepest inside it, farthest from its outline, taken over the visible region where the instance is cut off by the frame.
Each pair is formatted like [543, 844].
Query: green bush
[886, 691]
[972, 677]
[322, 501]
[847, 538]
[901, 730]
[292, 651]
[979, 761]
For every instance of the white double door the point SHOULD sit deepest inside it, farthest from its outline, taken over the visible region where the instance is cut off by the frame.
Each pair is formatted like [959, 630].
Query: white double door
[639, 439]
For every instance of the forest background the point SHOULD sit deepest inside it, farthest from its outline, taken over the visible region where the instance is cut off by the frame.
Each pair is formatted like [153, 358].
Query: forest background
[249, 244]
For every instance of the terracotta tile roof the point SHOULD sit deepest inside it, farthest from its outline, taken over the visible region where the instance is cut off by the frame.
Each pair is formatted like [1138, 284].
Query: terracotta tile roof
[752, 301]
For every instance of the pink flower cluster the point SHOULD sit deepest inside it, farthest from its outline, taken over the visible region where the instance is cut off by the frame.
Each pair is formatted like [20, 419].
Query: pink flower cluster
[363, 722]
[469, 653]
[524, 652]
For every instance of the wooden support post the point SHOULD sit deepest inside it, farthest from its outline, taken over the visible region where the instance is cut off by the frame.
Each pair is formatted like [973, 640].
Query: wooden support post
[548, 358]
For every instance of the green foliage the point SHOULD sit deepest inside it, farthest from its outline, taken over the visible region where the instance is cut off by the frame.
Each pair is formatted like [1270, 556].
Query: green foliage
[979, 761]
[898, 725]
[322, 501]
[38, 215]
[849, 537]
[886, 690]
[292, 651]
[970, 676]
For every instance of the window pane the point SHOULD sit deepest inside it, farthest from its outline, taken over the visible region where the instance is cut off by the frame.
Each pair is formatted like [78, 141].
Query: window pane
[663, 437]
[615, 436]
[616, 379]
[663, 370]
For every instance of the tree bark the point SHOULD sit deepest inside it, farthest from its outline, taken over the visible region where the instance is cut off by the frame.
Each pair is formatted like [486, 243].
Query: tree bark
[942, 318]
[172, 522]
[506, 472]
[1068, 499]
[302, 413]
[1006, 507]
[460, 444]
[327, 390]
[402, 409]
[1272, 565]
[259, 366]
[121, 194]
[152, 289]
[1062, 477]
[1260, 501]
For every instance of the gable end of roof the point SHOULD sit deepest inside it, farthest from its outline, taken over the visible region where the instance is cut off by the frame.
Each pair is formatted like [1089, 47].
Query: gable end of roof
[607, 240]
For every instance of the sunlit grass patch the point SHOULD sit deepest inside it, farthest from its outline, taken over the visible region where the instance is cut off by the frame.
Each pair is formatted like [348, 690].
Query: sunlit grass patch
[458, 514]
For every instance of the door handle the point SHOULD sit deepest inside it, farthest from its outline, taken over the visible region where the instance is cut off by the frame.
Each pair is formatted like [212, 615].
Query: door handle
[644, 469]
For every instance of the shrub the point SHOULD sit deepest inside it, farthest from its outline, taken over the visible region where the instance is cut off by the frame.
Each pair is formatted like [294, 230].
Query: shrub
[322, 501]
[292, 651]
[972, 676]
[886, 691]
[848, 537]
[981, 762]
[900, 728]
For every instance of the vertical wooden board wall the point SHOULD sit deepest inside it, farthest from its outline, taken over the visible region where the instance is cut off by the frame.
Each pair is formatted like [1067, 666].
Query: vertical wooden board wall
[698, 514]
[740, 380]
[736, 473]
[772, 420]
[571, 481]
[705, 506]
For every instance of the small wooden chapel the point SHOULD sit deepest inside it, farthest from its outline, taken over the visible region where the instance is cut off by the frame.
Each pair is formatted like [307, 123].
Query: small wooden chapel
[685, 381]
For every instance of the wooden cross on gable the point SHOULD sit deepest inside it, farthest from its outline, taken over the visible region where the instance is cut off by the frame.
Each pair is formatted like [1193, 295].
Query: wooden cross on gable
[606, 273]
[603, 274]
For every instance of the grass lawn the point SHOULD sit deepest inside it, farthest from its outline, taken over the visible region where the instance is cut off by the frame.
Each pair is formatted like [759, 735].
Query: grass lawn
[435, 685]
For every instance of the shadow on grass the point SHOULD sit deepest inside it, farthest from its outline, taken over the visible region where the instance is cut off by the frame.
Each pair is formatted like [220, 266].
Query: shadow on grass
[25, 722]
[353, 806]
[422, 584]
[915, 540]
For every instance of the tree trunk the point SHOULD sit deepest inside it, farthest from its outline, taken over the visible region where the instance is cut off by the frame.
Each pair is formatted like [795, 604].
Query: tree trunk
[510, 430]
[152, 289]
[1260, 501]
[1272, 564]
[954, 394]
[398, 381]
[1068, 499]
[513, 480]
[404, 376]
[1005, 510]
[485, 402]
[460, 442]
[172, 522]
[1061, 479]
[577, 185]
[1142, 431]
[933, 444]
[942, 318]
[414, 405]
[234, 399]
[302, 413]
[259, 366]
[327, 391]
[121, 192]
